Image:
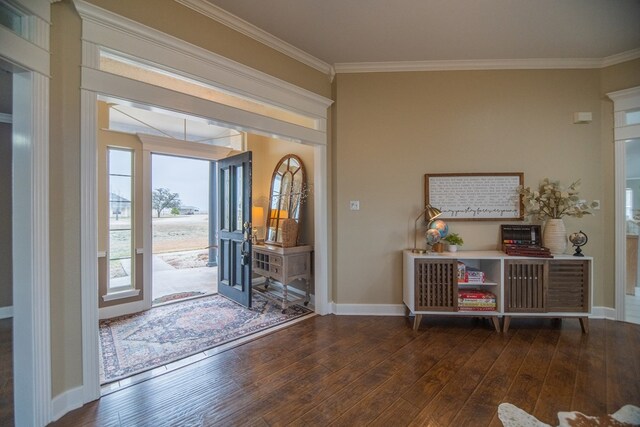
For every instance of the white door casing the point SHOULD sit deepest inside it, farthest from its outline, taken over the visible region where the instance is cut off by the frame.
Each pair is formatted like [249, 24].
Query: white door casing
[101, 28]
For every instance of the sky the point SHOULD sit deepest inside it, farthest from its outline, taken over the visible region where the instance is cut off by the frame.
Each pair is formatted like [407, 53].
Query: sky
[187, 177]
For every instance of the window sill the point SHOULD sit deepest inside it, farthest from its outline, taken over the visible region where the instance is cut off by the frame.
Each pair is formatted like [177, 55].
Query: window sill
[112, 296]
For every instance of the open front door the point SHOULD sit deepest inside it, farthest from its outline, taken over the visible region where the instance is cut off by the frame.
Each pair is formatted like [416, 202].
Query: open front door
[234, 228]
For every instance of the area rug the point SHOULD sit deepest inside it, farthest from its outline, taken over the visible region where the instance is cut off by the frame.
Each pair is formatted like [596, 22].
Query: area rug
[512, 416]
[142, 341]
[176, 296]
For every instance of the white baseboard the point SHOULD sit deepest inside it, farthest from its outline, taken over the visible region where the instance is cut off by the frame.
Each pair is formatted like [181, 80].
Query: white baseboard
[369, 309]
[66, 402]
[399, 310]
[122, 309]
[603, 313]
[6, 312]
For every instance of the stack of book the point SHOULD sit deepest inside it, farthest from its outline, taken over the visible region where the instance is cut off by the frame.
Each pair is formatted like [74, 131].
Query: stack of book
[531, 251]
[476, 300]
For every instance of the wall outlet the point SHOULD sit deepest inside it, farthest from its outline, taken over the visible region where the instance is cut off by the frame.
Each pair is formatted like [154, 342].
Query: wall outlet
[354, 205]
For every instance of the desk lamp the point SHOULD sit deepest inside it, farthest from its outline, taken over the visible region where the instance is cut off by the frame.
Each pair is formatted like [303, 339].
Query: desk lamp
[430, 213]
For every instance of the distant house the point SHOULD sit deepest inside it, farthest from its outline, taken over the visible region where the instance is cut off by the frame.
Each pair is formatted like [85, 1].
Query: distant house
[188, 210]
[119, 207]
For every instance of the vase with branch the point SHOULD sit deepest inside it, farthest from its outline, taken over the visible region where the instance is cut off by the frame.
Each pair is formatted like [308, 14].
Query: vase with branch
[550, 202]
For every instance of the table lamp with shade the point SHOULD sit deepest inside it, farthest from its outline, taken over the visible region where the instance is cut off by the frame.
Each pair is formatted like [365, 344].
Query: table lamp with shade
[257, 218]
[430, 213]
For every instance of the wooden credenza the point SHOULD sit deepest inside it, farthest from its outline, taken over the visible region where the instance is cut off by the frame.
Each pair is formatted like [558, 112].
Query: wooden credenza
[280, 267]
[524, 287]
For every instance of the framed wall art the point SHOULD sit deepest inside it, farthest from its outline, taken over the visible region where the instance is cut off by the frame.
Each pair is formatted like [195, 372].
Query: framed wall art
[475, 196]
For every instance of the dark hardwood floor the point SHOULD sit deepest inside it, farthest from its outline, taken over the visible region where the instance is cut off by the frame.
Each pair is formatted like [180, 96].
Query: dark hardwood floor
[344, 370]
[6, 372]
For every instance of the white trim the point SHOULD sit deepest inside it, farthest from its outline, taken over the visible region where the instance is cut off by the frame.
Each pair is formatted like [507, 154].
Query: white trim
[107, 29]
[6, 118]
[32, 345]
[89, 243]
[369, 309]
[124, 88]
[622, 100]
[120, 310]
[164, 145]
[65, 402]
[114, 296]
[6, 312]
[486, 64]
[23, 52]
[619, 58]
[240, 25]
[102, 28]
[603, 313]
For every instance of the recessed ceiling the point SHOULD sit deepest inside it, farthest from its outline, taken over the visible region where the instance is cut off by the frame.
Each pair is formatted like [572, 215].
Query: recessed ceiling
[349, 31]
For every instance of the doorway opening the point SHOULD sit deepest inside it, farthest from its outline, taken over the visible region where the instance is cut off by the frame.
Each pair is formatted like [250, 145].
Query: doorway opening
[632, 217]
[184, 266]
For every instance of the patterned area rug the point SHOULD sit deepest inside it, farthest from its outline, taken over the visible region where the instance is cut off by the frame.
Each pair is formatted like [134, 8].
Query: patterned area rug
[512, 416]
[142, 341]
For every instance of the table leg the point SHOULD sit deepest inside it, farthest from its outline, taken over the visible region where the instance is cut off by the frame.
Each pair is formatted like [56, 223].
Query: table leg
[584, 324]
[284, 298]
[496, 323]
[307, 294]
[505, 326]
[416, 321]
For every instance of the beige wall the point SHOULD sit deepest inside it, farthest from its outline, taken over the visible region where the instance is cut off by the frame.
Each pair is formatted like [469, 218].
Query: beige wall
[392, 128]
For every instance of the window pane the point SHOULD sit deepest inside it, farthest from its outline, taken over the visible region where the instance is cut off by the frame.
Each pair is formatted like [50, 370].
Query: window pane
[632, 117]
[239, 188]
[121, 244]
[120, 162]
[120, 273]
[226, 182]
[11, 18]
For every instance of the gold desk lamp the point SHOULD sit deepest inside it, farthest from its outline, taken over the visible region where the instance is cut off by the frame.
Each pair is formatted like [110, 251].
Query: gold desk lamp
[430, 213]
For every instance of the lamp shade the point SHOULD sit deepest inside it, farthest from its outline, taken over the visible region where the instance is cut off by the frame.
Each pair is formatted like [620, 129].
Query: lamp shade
[431, 213]
[257, 216]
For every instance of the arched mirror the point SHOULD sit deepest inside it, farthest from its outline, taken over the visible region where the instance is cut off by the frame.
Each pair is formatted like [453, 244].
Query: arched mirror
[288, 187]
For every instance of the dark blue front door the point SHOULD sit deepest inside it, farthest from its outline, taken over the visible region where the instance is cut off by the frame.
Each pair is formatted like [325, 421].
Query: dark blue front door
[234, 228]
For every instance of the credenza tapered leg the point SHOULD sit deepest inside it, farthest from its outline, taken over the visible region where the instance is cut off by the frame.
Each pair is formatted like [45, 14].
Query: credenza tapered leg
[496, 323]
[584, 324]
[505, 326]
[416, 321]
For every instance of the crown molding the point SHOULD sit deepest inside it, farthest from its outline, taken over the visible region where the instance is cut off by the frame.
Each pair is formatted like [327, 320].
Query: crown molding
[619, 58]
[216, 13]
[487, 64]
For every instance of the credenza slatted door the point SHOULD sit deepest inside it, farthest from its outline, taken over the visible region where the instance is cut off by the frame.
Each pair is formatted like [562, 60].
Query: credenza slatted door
[568, 286]
[436, 285]
[524, 286]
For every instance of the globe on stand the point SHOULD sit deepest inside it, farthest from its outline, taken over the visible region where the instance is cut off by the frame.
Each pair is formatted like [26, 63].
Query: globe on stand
[578, 239]
[441, 226]
[432, 236]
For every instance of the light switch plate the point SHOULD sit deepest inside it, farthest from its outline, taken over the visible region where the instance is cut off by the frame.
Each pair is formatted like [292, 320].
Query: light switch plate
[354, 205]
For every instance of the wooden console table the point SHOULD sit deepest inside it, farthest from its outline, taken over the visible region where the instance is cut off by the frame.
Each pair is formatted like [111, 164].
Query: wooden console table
[280, 267]
[524, 287]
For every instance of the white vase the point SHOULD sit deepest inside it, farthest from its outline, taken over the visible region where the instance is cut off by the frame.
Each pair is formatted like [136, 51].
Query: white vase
[554, 236]
[452, 248]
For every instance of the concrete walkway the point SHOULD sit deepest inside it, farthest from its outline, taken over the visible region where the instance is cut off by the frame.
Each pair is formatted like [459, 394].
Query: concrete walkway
[169, 280]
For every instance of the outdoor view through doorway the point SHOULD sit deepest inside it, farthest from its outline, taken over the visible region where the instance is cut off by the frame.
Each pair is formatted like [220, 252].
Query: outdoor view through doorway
[182, 267]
